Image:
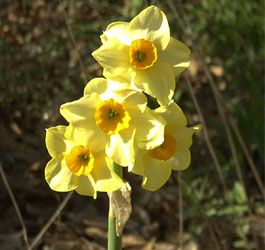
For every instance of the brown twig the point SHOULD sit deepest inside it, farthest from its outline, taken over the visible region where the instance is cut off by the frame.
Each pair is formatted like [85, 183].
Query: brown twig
[210, 227]
[12, 197]
[50, 221]
[247, 154]
[205, 133]
[74, 44]
[223, 116]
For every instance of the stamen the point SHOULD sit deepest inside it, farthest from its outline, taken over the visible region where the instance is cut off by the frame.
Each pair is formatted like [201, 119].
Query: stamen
[84, 158]
[112, 113]
[139, 56]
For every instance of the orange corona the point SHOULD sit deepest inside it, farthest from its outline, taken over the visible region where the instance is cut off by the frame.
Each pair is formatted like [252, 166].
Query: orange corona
[166, 150]
[111, 117]
[143, 54]
[80, 160]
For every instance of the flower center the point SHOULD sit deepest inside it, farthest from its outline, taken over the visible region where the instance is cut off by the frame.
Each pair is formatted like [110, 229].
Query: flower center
[143, 54]
[111, 117]
[80, 160]
[166, 150]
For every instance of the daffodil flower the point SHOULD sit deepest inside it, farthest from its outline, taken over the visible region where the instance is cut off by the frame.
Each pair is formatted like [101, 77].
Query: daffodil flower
[78, 165]
[143, 53]
[117, 117]
[155, 165]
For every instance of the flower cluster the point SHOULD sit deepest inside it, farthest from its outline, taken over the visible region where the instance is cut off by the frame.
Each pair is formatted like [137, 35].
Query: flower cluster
[112, 122]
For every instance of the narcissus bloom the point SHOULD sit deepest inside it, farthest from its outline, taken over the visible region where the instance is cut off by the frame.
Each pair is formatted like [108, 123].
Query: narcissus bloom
[77, 165]
[117, 117]
[155, 165]
[143, 53]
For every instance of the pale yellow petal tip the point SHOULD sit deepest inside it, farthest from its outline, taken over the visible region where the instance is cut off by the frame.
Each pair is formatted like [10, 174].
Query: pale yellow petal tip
[130, 167]
[103, 37]
[152, 7]
[144, 181]
[96, 53]
[56, 129]
[62, 108]
[197, 128]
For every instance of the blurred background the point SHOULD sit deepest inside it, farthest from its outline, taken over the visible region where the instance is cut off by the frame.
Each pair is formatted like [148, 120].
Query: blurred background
[45, 61]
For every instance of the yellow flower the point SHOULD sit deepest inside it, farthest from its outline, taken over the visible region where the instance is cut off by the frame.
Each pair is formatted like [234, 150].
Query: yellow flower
[76, 165]
[143, 53]
[115, 116]
[155, 165]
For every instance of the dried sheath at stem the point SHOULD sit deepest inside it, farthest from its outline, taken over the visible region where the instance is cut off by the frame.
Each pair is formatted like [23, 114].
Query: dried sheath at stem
[120, 206]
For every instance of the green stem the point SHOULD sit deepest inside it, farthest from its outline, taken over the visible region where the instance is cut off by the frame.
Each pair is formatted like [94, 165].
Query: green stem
[114, 241]
[117, 169]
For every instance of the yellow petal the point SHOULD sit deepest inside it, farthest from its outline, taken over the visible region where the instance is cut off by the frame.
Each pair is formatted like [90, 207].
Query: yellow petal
[120, 30]
[183, 137]
[154, 142]
[125, 77]
[172, 115]
[177, 55]
[157, 172]
[107, 89]
[150, 129]
[55, 141]
[139, 165]
[157, 81]
[98, 85]
[89, 138]
[151, 24]
[180, 160]
[113, 56]
[87, 186]
[59, 177]
[105, 179]
[134, 101]
[123, 93]
[80, 113]
[121, 147]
